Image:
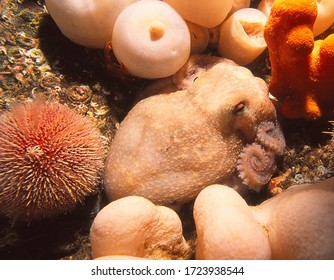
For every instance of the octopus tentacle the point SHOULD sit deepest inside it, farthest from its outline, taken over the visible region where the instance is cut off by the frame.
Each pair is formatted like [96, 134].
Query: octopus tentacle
[255, 166]
[271, 137]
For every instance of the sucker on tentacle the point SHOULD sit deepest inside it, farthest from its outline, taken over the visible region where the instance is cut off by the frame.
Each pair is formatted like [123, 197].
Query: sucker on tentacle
[271, 137]
[256, 162]
[255, 166]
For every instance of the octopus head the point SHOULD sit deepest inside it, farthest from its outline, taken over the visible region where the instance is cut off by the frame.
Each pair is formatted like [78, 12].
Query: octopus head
[240, 104]
[235, 98]
[246, 109]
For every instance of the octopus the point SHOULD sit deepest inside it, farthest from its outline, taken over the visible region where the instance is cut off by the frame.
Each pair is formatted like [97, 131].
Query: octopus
[212, 122]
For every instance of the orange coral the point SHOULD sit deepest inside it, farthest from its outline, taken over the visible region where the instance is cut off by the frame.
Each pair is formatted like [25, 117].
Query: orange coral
[302, 69]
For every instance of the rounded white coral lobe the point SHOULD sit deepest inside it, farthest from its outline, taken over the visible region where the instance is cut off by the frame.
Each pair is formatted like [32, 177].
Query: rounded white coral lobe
[226, 227]
[87, 22]
[134, 226]
[151, 40]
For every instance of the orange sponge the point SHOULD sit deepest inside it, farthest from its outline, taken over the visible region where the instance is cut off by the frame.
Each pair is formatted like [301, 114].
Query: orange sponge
[302, 69]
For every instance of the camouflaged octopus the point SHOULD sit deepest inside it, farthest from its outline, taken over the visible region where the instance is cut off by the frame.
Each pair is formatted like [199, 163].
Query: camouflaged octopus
[213, 122]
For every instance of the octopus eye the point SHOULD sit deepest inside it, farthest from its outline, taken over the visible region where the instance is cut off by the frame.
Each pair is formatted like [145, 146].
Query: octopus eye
[238, 109]
[195, 79]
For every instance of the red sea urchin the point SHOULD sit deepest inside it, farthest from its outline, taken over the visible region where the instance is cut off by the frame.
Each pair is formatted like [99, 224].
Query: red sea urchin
[50, 159]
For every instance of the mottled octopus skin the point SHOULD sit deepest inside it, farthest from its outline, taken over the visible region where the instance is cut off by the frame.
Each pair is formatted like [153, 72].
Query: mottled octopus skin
[302, 68]
[171, 146]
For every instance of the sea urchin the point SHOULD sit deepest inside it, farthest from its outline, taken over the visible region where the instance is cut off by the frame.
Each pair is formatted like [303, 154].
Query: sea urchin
[50, 159]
